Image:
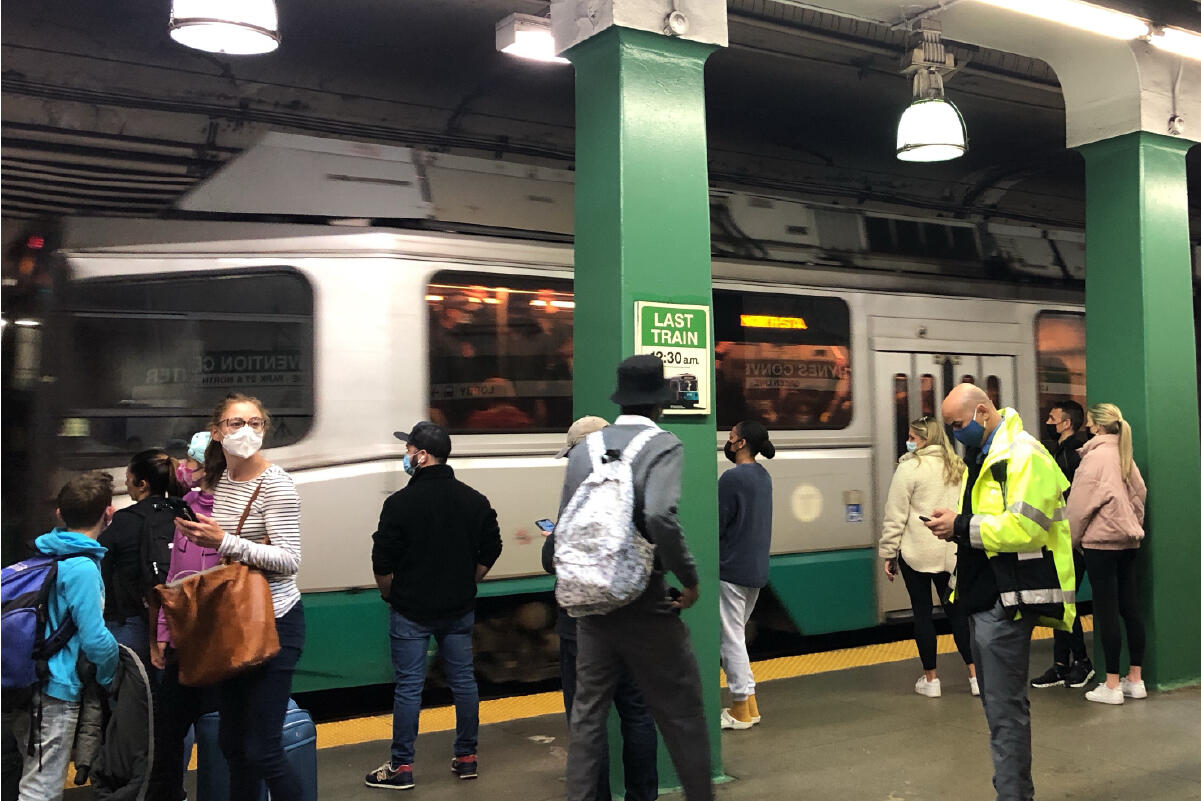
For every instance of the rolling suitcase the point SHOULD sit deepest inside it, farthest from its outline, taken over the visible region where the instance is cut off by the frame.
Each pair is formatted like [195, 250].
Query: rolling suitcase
[300, 746]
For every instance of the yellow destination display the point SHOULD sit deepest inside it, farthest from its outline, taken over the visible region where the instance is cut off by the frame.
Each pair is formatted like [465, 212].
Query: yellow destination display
[769, 321]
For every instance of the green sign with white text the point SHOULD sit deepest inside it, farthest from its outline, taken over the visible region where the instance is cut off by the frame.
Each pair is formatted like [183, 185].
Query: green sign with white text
[679, 335]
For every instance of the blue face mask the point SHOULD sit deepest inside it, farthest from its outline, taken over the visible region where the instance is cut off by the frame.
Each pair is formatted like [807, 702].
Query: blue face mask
[911, 446]
[971, 435]
[409, 466]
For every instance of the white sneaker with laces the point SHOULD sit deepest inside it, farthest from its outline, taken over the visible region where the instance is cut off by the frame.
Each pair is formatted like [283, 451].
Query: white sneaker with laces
[930, 689]
[974, 684]
[1104, 694]
[1134, 689]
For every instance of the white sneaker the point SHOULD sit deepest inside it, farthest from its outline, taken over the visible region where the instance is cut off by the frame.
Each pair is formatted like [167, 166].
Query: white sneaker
[728, 721]
[930, 689]
[1134, 689]
[1106, 695]
[974, 684]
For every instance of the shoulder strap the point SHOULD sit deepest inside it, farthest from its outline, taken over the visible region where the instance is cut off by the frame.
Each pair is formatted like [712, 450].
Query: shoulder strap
[638, 443]
[596, 448]
[246, 512]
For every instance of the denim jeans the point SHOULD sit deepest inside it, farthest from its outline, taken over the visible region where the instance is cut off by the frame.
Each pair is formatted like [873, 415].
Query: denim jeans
[252, 707]
[45, 780]
[134, 633]
[409, 641]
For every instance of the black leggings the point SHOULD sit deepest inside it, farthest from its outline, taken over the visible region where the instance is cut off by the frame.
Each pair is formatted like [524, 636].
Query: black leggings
[918, 586]
[1115, 593]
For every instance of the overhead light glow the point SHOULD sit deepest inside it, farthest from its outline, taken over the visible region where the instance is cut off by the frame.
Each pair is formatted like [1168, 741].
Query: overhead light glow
[563, 304]
[527, 36]
[231, 27]
[435, 298]
[1175, 40]
[537, 302]
[769, 321]
[931, 129]
[27, 323]
[1084, 16]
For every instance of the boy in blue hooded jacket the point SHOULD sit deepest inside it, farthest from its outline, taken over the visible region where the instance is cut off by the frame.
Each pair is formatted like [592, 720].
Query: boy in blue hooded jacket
[85, 507]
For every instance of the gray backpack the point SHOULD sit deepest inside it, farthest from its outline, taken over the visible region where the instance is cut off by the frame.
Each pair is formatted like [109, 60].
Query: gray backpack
[601, 560]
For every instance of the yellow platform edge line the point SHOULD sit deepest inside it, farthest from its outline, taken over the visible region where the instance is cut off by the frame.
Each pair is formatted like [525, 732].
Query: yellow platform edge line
[500, 710]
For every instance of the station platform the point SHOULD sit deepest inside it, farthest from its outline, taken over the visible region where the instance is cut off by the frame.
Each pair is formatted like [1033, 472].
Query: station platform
[837, 726]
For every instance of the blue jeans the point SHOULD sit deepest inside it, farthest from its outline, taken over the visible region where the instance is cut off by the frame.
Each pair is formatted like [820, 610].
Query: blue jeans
[134, 633]
[409, 641]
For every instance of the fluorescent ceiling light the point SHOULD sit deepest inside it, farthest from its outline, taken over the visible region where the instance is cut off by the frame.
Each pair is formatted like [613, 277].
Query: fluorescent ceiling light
[1174, 40]
[1085, 16]
[527, 36]
[931, 129]
[232, 27]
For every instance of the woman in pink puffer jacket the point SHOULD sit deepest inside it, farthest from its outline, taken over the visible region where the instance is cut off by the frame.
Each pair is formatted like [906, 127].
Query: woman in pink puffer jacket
[1105, 511]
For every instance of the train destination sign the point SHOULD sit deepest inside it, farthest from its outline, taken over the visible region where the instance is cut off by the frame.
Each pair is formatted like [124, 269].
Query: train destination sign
[679, 335]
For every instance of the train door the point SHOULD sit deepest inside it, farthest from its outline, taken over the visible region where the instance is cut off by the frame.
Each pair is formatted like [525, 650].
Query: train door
[911, 385]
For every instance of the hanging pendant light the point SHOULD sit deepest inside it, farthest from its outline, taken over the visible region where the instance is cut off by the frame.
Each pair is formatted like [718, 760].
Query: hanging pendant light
[232, 27]
[931, 129]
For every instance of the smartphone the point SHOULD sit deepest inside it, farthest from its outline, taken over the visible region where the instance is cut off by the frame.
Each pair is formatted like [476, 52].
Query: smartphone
[923, 518]
[185, 511]
[547, 526]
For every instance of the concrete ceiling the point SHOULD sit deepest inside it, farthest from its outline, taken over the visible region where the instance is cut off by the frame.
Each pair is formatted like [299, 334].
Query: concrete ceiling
[104, 114]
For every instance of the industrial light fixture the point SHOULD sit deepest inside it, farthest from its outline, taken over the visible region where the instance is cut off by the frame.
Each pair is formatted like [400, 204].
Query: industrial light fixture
[232, 27]
[1075, 14]
[527, 36]
[1174, 40]
[931, 128]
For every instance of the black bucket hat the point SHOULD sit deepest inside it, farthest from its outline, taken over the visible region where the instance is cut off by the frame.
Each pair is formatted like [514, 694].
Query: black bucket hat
[640, 382]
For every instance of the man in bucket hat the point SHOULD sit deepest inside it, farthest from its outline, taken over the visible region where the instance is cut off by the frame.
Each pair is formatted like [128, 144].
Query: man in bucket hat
[645, 638]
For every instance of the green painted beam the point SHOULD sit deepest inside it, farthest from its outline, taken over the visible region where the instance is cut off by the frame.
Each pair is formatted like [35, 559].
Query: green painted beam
[1141, 355]
[642, 233]
[829, 591]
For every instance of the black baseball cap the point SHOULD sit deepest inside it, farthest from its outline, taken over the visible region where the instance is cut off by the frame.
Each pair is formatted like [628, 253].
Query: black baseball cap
[428, 437]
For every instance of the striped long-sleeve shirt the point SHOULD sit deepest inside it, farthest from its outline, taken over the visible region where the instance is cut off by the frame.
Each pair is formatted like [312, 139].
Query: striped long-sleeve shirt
[275, 513]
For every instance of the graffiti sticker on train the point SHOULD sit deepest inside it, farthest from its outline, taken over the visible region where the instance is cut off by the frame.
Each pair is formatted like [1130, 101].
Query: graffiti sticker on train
[679, 335]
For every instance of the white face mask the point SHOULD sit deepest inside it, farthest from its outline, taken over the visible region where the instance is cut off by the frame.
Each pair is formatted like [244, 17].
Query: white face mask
[243, 443]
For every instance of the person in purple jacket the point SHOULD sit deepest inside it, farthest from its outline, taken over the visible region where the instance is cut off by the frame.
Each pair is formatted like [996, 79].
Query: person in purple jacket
[178, 707]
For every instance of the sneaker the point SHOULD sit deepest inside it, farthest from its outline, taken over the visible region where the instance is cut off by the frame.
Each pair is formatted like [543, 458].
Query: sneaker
[1053, 677]
[1079, 673]
[930, 689]
[387, 777]
[1133, 689]
[1106, 695]
[974, 684]
[465, 767]
[728, 721]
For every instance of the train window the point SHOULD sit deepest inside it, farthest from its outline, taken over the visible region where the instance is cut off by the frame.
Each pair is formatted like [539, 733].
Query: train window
[900, 397]
[154, 355]
[992, 386]
[500, 352]
[782, 359]
[1059, 338]
[927, 395]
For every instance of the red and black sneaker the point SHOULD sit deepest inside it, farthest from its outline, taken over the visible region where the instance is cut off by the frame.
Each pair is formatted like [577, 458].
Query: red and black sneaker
[465, 767]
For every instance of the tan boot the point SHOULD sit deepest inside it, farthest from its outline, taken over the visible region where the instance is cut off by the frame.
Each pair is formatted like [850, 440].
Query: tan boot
[753, 709]
[738, 716]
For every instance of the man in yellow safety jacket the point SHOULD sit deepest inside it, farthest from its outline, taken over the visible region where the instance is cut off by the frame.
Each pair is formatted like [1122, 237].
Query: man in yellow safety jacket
[1014, 567]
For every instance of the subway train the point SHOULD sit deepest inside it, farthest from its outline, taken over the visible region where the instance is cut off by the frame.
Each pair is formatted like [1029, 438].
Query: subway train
[348, 335]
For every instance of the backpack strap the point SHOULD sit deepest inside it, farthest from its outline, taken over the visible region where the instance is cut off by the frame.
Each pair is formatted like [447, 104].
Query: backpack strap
[638, 443]
[596, 448]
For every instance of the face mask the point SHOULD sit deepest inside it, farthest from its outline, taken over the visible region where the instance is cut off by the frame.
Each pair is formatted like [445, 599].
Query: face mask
[971, 435]
[729, 449]
[409, 465]
[911, 446]
[243, 443]
[184, 474]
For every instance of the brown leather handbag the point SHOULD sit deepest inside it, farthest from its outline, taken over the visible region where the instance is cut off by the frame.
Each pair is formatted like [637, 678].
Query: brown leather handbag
[221, 620]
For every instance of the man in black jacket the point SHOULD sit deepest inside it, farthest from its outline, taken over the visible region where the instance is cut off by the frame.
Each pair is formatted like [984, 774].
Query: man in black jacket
[1072, 667]
[437, 538]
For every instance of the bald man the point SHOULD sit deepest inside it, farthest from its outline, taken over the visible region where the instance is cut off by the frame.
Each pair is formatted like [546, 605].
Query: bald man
[1014, 567]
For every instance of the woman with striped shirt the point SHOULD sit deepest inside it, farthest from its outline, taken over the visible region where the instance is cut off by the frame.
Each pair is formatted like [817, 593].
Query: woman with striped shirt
[252, 704]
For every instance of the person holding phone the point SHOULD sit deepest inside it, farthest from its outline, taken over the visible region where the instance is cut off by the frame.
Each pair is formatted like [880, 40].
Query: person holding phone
[926, 478]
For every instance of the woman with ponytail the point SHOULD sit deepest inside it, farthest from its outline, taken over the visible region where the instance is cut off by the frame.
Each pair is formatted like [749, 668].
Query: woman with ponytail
[926, 478]
[744, 508]
[1105, 512]
[132, 566]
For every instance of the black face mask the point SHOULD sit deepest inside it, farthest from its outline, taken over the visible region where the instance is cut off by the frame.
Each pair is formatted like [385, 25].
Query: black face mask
[730, 450]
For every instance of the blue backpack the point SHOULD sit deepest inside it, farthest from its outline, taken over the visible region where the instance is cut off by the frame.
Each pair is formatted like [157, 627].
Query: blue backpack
[25, 590]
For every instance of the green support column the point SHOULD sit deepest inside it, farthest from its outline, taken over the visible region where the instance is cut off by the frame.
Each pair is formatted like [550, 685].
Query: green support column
[1141, 356]
[642, 233]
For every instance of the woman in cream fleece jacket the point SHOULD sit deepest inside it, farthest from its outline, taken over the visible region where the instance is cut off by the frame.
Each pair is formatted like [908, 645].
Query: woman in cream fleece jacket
[927, 478]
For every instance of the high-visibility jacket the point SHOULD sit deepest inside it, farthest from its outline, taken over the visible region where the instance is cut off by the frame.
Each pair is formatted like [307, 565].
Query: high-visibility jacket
[1019, 519]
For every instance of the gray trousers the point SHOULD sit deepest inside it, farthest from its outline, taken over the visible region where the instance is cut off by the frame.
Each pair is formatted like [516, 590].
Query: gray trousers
[1001, 651]
[651, 642]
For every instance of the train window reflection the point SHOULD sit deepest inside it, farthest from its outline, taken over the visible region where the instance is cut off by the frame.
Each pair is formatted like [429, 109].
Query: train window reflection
[900, 417]
[500, 352]
[992, 386]
[154, 354]
[788, 377]
[1059, 340]
[927, 395]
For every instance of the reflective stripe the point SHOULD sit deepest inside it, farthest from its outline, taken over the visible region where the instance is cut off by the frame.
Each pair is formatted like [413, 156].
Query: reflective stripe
[1031, 513]
[1060, 515]
[977, 539]
[1055, 596]
[1023, 557]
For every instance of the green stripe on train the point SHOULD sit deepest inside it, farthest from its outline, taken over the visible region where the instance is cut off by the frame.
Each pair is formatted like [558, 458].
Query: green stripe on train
[347, 643]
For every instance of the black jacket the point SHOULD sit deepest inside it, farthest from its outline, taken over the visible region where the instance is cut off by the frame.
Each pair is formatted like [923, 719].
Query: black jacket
[1067, 456]
[125, 575]
[431, 536]
[113, 745]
